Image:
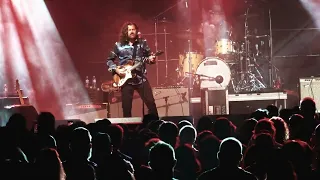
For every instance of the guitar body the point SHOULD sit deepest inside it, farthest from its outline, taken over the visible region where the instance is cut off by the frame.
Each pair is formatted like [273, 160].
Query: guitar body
[120, 79]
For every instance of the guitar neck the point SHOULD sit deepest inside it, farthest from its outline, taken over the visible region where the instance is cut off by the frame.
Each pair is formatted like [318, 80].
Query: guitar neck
[20, 97]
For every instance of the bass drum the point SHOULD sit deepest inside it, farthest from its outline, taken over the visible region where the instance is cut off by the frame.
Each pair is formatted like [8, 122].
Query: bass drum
[195, 58]
[214, 73]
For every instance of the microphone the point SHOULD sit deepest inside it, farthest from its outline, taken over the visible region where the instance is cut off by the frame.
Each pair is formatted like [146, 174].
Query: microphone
[186, 3]
[139, 35]
[219, 79]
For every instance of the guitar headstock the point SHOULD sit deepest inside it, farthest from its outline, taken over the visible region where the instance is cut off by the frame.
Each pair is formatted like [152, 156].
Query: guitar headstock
[158, 53]
[17, 85]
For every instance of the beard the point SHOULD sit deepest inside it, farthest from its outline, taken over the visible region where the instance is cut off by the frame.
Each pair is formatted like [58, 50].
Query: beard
[132, 35]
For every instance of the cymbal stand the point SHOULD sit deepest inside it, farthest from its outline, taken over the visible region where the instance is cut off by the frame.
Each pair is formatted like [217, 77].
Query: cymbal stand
[248, 81]
[243, 82]
[165, 40]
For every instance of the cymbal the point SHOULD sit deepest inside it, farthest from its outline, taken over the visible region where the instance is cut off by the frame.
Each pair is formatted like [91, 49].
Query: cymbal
[164, 21]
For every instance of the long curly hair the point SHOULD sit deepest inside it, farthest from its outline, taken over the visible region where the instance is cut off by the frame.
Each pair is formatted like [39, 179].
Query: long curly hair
[124, 39]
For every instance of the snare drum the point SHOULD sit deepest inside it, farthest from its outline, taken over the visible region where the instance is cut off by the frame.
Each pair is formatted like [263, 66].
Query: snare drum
[209, 69]
[195, 58]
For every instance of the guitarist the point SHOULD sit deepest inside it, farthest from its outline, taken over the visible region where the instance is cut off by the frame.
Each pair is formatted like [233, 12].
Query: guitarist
[131, 47]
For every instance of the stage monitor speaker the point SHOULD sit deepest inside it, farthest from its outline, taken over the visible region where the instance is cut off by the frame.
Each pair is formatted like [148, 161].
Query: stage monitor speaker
[87, 112]
[170, 101]
[310, 87]
[28, 111]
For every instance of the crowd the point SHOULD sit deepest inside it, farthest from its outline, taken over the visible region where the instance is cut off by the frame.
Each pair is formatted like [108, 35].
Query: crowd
[271, 145]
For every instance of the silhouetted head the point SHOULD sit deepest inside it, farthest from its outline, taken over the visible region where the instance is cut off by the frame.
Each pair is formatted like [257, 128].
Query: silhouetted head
[162, 157]
[260, 114]
[101, 145]
[187, 162]
[116, 134]
[184, 123]
[209, 145]
[205, 123]
[285, 114]
[17, 123]
[168, 132]
[264, 140]
[282, 129]
[299, 154]
[273, 110]
[308, 107]
[46, 123]
[245, 131]
[154, 125]
[230, 152]
[102, 125]
[202, 135]
[296, 125]
[80, 143]
[265, 126]
[187, 135]
[223, 128]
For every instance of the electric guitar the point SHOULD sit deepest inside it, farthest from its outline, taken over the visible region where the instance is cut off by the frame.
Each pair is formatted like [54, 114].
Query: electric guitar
[120, 79]
[19, 92]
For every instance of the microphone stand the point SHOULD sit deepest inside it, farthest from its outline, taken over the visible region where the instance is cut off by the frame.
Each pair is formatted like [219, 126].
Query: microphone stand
[189, 58]
[271, 53]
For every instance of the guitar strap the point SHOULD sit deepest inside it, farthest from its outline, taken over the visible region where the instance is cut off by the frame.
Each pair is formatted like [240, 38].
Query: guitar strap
[135, 50]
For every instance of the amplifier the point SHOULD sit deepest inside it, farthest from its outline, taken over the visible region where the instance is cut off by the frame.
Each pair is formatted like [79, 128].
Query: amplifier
[310, 87]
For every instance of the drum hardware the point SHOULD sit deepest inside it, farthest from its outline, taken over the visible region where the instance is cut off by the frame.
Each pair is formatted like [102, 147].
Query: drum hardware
[251, 78]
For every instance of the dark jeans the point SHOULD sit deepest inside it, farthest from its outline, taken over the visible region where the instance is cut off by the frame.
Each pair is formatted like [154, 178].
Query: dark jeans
[145, 93]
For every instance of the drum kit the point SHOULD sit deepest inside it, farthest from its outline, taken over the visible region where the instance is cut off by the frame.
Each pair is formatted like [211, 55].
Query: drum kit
[233, 65]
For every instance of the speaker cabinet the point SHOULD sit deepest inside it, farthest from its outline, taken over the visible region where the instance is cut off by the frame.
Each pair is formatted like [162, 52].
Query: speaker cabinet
[310, 87]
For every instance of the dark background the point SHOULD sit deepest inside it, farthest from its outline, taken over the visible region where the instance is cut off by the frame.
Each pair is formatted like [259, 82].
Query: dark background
[89, 29]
